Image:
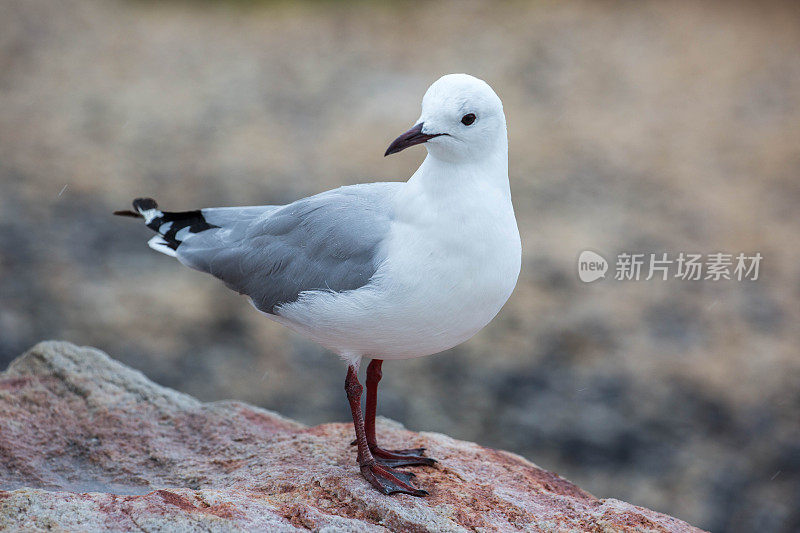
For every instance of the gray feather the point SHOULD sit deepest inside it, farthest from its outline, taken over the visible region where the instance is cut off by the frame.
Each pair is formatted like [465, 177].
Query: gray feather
[329, 241]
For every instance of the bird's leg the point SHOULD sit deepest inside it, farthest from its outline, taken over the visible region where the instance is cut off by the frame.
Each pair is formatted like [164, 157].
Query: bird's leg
[409, 457]
[382, 477]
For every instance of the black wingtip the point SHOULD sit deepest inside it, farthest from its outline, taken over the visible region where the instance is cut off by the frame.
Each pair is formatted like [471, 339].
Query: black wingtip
[143, 204]
[139, 205]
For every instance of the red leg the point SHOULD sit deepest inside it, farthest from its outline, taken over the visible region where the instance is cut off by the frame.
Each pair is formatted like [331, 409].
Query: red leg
[382, 477]
[374, 376]
[410, 457]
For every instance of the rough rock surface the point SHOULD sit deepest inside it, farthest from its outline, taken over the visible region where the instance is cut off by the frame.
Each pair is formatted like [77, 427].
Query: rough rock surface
[89, 444]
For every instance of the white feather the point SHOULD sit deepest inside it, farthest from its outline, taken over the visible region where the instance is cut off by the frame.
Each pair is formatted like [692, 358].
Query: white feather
[150, 214]
[158, 244]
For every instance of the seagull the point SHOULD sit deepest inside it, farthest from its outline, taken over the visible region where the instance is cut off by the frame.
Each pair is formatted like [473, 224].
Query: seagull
[387, 270]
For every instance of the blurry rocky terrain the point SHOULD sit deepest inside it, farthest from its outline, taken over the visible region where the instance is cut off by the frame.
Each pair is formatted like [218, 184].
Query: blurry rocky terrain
[634, 126]
[91, 445]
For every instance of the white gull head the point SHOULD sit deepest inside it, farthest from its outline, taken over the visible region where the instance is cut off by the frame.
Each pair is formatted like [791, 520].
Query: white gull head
[462, 121]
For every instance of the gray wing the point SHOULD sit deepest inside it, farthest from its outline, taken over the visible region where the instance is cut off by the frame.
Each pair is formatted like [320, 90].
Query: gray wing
[329, 241]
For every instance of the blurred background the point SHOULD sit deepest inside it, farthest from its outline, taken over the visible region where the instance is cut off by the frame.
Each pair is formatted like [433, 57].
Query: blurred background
[634, 126]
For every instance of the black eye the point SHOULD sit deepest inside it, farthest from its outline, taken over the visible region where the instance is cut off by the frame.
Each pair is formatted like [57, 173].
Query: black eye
[468, 119]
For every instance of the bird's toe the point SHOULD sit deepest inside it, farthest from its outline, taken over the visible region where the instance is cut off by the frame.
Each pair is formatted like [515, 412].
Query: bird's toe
[390, 481]
[399, 458]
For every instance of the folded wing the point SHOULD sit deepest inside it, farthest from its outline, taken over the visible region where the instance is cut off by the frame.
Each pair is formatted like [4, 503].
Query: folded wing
[330, 241]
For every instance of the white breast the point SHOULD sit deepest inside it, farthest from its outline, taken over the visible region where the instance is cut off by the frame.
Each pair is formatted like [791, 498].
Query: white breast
[449, 267]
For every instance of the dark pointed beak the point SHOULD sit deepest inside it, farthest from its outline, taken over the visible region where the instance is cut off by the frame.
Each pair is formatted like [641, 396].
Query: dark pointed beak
[410, 138]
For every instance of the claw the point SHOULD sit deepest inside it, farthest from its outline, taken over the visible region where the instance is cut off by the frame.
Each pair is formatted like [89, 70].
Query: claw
[398, 458]
[390, 481]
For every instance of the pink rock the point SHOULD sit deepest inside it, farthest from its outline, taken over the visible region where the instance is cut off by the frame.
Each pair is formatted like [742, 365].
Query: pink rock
[88, 444]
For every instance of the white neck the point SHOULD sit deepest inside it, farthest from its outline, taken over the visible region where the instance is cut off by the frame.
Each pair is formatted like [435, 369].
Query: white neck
[444, 180]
